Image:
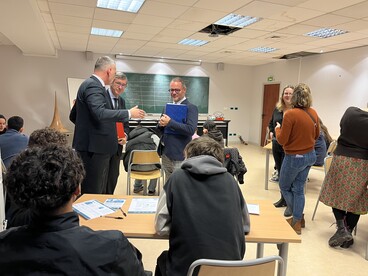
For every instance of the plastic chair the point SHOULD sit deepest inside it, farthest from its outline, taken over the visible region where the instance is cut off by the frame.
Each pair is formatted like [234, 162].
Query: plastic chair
[326, 166]
[331, 148]
[144, 157]
[265, 266]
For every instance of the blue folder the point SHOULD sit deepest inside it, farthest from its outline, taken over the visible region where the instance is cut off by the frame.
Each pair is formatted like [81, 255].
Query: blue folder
[178, 113]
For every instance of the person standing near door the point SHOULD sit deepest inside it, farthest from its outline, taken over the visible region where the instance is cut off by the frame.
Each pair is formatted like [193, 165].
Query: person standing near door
[282, 105]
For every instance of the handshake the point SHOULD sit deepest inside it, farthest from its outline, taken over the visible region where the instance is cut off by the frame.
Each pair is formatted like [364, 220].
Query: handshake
[137, 113]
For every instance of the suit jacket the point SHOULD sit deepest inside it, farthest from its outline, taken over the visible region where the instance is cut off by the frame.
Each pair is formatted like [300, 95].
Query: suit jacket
[174, 144]
[121, 105]
[95, 121]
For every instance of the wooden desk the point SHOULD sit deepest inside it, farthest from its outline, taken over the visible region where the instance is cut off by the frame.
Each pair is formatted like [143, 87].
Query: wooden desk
[268, 149]
[269, 227]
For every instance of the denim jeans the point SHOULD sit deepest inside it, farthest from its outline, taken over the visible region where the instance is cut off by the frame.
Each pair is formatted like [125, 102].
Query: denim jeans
[294, 173]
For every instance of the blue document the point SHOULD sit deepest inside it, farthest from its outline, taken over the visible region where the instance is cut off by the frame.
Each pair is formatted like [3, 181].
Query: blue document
[178, 113]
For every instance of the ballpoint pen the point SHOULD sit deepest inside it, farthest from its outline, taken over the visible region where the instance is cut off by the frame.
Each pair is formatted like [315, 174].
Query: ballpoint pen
[113, 217]
[123, 212]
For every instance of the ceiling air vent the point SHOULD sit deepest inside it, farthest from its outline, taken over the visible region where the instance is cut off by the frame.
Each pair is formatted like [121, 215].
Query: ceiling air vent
[297, 55]
[215, 30]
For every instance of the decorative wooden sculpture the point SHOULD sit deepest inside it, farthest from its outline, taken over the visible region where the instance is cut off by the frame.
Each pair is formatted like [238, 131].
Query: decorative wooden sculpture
[56, 121]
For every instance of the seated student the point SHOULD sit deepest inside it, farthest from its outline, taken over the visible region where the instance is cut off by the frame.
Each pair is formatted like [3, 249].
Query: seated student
[210, 129]
[202, 210]
[47, 180]
[39, 138]
[233, 161]
[2, 124]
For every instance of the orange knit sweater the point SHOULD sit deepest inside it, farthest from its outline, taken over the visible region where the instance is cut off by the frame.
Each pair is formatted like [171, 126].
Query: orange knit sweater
[298, 133]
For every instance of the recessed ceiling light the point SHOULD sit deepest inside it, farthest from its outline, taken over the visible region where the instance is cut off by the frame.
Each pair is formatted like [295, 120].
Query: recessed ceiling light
[106, 32]
[234, 20]
[121, 5]
[263, 49]
[325, 33]
[193, 42]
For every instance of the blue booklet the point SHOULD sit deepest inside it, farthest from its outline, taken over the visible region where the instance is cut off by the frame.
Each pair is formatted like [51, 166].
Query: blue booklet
[178, 113]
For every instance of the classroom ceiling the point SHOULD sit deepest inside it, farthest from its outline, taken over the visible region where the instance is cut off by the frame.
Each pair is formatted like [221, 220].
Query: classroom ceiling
[42, 27]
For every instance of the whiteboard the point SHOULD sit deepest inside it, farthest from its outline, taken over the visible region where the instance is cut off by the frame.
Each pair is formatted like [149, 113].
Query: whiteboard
[73, 86]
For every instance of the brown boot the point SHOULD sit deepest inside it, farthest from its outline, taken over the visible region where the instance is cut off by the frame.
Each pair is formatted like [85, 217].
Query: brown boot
[296, 225]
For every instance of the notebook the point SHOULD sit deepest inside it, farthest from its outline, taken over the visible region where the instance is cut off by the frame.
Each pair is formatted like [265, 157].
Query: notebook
[178, 113]
[120, 130]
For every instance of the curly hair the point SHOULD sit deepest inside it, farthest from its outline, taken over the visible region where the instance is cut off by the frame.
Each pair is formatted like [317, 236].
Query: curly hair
[44, 178]
[46, 136]
[204, 146]
[302, 97]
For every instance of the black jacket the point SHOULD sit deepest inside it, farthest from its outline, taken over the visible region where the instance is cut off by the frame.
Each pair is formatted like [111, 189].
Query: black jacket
[58, 245]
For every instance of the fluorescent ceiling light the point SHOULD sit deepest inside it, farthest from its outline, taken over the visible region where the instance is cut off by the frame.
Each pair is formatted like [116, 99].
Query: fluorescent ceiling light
[234, 20]
[263, 49]
[106, 32]
[325, 33]
[161, 60]
[121, 5]
[193, 42]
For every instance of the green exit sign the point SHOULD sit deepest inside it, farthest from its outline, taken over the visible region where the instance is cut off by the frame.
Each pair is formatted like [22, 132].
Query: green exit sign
[270, 79]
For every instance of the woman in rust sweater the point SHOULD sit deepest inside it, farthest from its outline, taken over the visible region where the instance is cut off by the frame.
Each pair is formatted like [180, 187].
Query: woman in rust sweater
[298, 134]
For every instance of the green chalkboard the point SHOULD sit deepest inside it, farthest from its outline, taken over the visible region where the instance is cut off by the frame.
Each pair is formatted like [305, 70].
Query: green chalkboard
[150, 91]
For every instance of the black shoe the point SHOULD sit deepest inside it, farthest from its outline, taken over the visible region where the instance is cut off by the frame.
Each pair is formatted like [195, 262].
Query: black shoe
[288, 212]
[280, 203]
[151, 193]
[347, 244]
[137, 190]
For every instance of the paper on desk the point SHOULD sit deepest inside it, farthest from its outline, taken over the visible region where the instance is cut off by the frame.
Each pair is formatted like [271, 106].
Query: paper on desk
[143, 205]
[253, 209]
[92, 209]
[114, 203]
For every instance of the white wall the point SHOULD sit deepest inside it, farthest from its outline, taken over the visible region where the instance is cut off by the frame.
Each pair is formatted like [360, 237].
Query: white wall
[29, 85]
[337, 80]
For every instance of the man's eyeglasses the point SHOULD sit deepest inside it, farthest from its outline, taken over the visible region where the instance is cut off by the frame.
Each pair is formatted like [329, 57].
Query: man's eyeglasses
[118, 84]
[174, 90]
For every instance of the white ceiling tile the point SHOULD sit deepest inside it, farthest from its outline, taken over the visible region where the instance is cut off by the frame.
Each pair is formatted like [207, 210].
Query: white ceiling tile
[175, 33]
[248, 33]
[4, 40]
[187, 3]
[357, 11]
[353, 26]
[138, 36]
[297, 29]
[86, 3]
[296, 15]
[71, 10]
[180, 24]
[110, 25]
[166, 39]
[148, 51]
[50, 27]
[43, 5]
[229, 7]
[269, 25]
[171, 52]
[262, 9]
[290, 3]
[72, 20]
[115, 16]
[101, 44]
[327, 20]
[55, 39]
[328, 5]
[73, 29]
[152, 20]
[202, 15]
[162, 9]
[144, 29]
[47, 17]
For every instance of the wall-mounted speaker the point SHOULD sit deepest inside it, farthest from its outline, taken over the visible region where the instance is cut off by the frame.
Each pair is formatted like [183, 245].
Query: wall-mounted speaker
[220, 66]
[89, 55]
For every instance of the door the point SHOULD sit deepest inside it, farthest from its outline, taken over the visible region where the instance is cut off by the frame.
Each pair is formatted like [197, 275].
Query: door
[270, 97]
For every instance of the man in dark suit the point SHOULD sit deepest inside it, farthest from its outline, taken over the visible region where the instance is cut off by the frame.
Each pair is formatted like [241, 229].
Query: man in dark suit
[95, 137]
[116, 89]
[172, 144]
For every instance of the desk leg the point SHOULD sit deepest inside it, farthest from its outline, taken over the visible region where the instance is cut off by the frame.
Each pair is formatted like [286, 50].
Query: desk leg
[260, 249]
[283, 253]
[267, 168]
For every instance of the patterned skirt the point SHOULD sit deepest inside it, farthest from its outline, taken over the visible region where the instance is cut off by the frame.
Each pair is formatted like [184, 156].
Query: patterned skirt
[345, 185]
